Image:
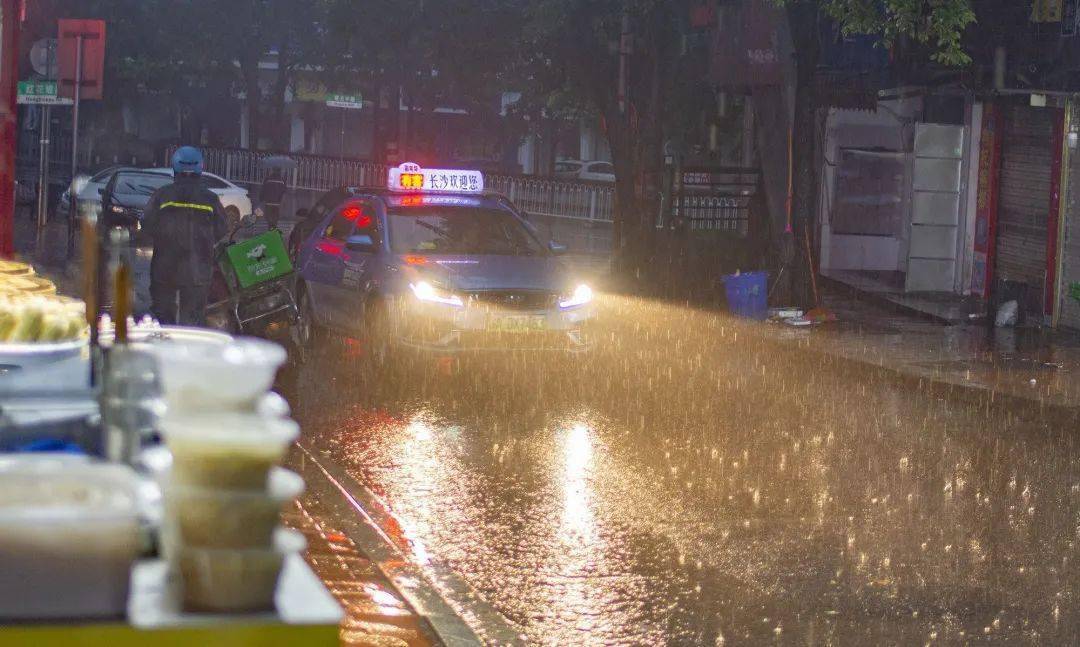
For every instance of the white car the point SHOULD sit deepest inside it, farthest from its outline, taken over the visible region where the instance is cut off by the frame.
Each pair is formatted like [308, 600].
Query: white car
[567, 169]
[597, 172]
[235, 199]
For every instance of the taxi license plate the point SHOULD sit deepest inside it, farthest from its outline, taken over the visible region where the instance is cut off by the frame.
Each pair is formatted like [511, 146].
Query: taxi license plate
[516, 324]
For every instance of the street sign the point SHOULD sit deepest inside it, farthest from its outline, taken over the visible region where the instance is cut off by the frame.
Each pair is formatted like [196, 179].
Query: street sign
[41, 93]
[82, 57]
[347, 101]
[43, 58]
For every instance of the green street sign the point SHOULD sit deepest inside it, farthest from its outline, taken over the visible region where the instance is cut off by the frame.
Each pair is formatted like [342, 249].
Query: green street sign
[348, 101]
[41, 93]
[259, 259]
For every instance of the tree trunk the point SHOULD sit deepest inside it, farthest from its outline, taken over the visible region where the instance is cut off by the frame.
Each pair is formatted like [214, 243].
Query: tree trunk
[249, 71]
[377, 153]
[803, 18]
[633, 226]
[282, 133]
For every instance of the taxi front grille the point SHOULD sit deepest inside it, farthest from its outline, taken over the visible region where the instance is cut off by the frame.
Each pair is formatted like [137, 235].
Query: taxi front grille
[512, 299]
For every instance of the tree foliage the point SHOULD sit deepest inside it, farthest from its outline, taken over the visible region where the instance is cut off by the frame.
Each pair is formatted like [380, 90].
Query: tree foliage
[938, 24]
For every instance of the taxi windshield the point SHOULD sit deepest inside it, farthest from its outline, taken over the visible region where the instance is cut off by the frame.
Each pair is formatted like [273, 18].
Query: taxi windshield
[459, 230]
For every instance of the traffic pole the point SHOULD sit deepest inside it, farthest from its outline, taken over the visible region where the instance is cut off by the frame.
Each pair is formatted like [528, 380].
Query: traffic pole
[73, 212]
[43, 176]
[9, 75]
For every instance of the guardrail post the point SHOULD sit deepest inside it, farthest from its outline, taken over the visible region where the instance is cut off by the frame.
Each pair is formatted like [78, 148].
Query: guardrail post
[228, 166]
[592, 205]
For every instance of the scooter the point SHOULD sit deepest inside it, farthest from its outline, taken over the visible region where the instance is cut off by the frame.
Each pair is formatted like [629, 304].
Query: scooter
[252, 292]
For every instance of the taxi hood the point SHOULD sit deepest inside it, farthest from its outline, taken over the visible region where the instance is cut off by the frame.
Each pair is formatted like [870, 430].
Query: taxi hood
[468, 273]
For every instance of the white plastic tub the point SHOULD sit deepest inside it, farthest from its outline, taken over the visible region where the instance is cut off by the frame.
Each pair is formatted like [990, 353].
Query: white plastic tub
[198, 376]
[223, 580]
[226, 450]
[69, 534]
[213, 518]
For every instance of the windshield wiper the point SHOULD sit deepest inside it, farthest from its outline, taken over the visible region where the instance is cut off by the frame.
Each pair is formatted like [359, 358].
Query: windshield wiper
[435, 228]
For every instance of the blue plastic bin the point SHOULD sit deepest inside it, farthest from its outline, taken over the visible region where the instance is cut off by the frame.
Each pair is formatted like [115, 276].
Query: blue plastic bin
[748, 294]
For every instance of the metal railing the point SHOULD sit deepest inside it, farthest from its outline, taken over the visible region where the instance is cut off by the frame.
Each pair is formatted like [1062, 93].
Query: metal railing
[557, 198]
[584, 201]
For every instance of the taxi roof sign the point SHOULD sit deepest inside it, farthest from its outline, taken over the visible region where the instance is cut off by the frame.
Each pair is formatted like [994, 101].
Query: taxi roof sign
[411, 177]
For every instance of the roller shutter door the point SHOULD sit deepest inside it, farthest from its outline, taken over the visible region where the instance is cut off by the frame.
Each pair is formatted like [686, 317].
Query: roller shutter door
[1025, 199]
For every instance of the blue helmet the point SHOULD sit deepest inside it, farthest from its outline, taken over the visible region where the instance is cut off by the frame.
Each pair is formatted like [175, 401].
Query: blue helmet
[187, 160]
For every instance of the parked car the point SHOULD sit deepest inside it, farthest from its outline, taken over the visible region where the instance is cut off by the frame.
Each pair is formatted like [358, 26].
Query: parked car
[568, 169]
[235, 199]
[597, 172]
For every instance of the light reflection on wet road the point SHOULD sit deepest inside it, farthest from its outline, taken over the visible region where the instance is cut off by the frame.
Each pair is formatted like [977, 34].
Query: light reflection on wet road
[687, 485]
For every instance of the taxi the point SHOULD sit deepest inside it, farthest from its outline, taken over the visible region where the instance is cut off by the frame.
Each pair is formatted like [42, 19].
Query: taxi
[435, 263]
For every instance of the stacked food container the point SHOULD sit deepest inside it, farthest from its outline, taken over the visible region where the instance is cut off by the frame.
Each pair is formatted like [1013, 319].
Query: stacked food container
[126, 541]
[226, 488]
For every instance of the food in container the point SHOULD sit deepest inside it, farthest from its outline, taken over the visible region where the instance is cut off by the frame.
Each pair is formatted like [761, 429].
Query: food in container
[69, 533]
[225, 580]
[226, 449]
[15, 268]
[214, 518]
[26, 284]
[37, 319]
[234, 375]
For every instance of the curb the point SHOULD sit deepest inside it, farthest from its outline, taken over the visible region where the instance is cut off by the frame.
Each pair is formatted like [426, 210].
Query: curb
[980, 394]
[427, 595]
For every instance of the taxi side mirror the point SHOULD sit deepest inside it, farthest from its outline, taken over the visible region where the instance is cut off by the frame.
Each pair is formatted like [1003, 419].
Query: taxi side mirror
[360, 243]
[556, 248]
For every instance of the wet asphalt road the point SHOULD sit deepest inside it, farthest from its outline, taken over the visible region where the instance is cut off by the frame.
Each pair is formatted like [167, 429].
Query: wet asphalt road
[687, 484]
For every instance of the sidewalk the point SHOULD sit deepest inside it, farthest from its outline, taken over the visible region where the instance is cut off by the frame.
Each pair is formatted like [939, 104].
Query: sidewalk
[1032, 366]
[374, 613]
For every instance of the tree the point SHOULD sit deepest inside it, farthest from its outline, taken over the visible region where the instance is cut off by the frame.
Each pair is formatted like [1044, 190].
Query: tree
[194, 51]
[446, 51]
[572, 57]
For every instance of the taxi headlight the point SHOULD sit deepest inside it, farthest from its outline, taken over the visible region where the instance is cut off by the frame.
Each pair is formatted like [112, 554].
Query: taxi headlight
[425, 291]
[581, 295]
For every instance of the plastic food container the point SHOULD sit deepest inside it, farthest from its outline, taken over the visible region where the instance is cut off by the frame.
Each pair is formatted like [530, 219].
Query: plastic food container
[225, 450]
[223, 580]
[197, 376]
[211, 518]
[153, 333]
[69, 533]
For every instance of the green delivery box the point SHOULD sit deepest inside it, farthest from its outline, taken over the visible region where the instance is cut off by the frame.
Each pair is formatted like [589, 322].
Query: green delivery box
[259, 259]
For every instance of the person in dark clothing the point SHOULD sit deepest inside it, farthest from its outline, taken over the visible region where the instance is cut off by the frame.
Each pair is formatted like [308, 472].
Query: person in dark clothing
[184, 220]
[271, 194]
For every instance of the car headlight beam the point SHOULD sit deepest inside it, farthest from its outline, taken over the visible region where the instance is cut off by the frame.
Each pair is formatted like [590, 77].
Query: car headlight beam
[581, 295]
[427, 292]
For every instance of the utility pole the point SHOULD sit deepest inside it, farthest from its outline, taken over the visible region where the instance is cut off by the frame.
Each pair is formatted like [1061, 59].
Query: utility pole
[43, 175]
[9, 72]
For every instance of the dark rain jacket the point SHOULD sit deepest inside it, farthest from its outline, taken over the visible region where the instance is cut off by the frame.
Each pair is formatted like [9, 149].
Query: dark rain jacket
[184, 220]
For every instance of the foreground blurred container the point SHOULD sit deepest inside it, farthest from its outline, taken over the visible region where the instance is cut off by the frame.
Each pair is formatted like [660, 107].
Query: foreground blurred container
[69, 534]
